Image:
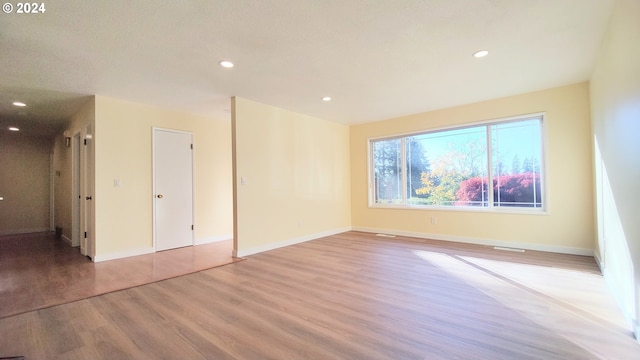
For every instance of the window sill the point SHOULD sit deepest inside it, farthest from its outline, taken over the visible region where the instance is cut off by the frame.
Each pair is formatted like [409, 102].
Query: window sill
[493, 210]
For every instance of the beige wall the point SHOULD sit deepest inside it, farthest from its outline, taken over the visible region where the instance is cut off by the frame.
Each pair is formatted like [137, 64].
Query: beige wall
[296, 172]
[123, 134]
[24, 183]
[615, 104]
[568, 226]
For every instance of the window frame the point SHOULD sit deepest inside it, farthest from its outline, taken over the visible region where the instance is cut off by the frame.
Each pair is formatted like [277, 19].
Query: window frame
[544, 176]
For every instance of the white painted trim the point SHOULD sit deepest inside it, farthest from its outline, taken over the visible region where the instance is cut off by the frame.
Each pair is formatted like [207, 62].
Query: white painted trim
[24, 231]
[212, 239]
[297, 240]
[479, 241]
[123, 254]
[67, 240]
[76, 187]
[599, 261]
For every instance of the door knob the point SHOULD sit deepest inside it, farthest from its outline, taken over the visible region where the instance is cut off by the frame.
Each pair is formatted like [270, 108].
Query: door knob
[160, 196]
[88, 198]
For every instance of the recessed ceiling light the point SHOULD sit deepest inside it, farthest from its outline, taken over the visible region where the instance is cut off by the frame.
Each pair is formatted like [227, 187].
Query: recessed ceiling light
[18, 103]
[13, 128]
[481, 53]
[326, 98]
[226, 64]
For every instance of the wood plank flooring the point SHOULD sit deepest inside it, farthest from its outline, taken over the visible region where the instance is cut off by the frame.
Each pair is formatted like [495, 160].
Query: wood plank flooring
[38, 270]
[347, 296]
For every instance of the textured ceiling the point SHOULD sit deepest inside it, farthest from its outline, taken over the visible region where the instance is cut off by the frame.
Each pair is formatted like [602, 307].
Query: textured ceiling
[376, 59]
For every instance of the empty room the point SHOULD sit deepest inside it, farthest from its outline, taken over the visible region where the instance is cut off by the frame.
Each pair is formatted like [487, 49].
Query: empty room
[413, 179]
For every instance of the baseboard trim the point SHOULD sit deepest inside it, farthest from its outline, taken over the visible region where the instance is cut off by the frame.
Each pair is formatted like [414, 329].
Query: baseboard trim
[66, 239]
[479, 241]
[212, 239]
[24, 231]
[123, 254]
[632, 321]
[599, 262]
[279, 244]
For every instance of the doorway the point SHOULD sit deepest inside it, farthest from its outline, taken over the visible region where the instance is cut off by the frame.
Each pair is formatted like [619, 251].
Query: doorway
[172, 189]
[82, 191]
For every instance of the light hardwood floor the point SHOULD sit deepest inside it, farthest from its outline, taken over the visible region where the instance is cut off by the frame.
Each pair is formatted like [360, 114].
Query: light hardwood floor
[38, 270]
[347, 296]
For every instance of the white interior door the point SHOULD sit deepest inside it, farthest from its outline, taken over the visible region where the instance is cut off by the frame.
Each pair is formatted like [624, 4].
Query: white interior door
[86, 169]
[173, 189]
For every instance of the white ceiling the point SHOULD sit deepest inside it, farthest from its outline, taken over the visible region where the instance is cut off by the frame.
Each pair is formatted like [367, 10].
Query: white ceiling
[376, 59]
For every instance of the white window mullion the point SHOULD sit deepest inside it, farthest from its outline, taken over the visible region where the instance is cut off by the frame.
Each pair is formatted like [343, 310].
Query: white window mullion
[489, 168]
[404, 170]
[540, 164]
[535, 198]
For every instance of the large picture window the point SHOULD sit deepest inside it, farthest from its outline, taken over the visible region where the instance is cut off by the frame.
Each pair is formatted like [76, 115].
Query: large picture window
[493, 165]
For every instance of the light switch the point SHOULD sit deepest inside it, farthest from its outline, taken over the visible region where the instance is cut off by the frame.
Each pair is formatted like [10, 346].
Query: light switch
[243, 180]
[116, 182]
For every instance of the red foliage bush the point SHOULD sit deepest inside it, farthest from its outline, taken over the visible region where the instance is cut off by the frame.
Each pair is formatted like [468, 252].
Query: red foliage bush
[514, 190]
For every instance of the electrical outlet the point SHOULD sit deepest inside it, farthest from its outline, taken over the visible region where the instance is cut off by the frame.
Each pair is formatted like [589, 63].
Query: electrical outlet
[434, 220]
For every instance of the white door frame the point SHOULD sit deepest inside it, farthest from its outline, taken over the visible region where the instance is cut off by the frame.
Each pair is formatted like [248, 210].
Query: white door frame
[76, 194]
[153, 172]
